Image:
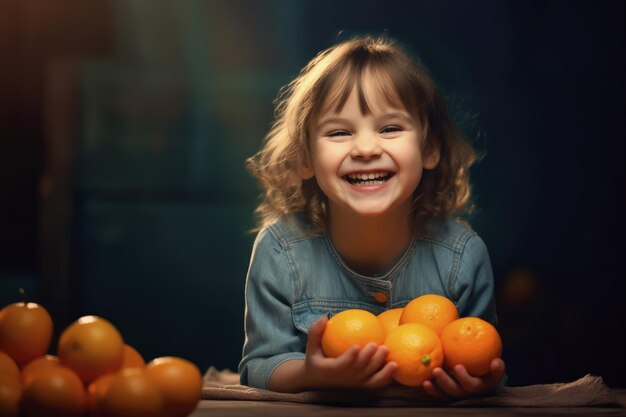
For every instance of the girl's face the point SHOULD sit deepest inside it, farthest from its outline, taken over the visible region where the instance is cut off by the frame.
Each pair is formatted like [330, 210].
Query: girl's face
[367, 165]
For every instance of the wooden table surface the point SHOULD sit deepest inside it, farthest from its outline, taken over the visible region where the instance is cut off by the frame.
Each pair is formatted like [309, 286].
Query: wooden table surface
[214, 408]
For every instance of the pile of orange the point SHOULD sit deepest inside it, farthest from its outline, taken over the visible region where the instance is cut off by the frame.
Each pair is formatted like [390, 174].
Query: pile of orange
[94, 372]
[427, 333]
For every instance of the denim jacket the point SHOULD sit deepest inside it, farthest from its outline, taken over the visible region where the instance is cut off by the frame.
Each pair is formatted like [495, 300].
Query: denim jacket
[294, 278]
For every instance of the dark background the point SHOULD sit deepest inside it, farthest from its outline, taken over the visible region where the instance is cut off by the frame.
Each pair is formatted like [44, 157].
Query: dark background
[124, 127]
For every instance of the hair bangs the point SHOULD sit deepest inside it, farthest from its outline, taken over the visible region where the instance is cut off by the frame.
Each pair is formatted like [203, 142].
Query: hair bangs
[338, 89]
[383, 88]
[388, 84]
[394, 84]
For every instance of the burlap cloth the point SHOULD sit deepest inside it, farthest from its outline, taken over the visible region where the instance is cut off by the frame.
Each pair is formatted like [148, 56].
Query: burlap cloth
[588, 391]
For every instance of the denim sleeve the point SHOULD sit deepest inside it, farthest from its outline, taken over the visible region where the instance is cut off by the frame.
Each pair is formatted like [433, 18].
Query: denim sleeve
[270, 335]
[474, 288]
[474, 285]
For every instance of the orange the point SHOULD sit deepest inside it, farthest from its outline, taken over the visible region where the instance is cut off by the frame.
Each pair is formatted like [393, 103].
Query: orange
[10, 386]
[55, 391]
[351, 327]
[417, 351]
[180, 384]
[8, 367]
[132, 358]
[132, 393]
[471, 342]
[96, 393]
[432, 310]
[390, 319]
[92, 347]
[25, 331]
[34, 367]
[10, 395]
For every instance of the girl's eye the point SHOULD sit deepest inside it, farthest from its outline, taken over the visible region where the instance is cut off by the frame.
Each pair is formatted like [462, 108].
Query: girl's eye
[338, 133]
[390, 129]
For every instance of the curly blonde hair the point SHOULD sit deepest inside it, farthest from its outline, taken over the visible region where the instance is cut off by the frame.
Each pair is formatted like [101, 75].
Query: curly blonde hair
[443, 192]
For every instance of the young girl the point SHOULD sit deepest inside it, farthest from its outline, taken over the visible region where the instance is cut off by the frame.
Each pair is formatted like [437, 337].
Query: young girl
[363, 176]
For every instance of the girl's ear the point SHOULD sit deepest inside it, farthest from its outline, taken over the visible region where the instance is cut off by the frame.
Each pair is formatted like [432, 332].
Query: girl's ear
[431, 150]
[432, 155]
[431, 158]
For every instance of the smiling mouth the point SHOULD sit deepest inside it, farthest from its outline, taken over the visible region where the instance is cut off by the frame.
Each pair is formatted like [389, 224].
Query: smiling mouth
[368, 179]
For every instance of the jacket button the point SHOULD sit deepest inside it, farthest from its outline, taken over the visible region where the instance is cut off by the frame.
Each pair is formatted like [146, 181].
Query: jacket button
[380, 297]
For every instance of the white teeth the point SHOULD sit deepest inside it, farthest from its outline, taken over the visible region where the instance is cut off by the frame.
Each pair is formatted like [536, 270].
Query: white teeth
[369, 179]
[368, 176]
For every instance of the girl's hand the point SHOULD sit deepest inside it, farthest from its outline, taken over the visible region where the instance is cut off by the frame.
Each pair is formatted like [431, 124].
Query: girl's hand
[356, 368]
[446, 387]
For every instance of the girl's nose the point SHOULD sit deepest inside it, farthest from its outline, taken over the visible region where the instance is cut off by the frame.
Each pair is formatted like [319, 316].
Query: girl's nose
[365, 146]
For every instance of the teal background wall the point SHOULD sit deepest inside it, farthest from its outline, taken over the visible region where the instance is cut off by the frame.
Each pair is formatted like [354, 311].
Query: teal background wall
[167, 99]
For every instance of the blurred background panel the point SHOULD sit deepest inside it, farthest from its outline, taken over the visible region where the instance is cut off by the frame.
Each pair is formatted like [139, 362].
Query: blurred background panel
[124, 129]
[168, 274]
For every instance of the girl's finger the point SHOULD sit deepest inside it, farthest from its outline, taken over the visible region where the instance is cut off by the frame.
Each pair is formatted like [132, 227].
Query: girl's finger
[365, 355]
[468, 382]
[343, 361]
[314, 338]
[377, 361]
[432, 390]
[497, 369]
[447, 384]
[383, 377]
[477, 385]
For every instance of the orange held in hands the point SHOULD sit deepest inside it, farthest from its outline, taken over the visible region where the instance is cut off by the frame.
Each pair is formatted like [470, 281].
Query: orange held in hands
[417, 351]
[92, 347]
[471, 342]
[25, 331]
[351, 327]
[432, 310]
[390, 319]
